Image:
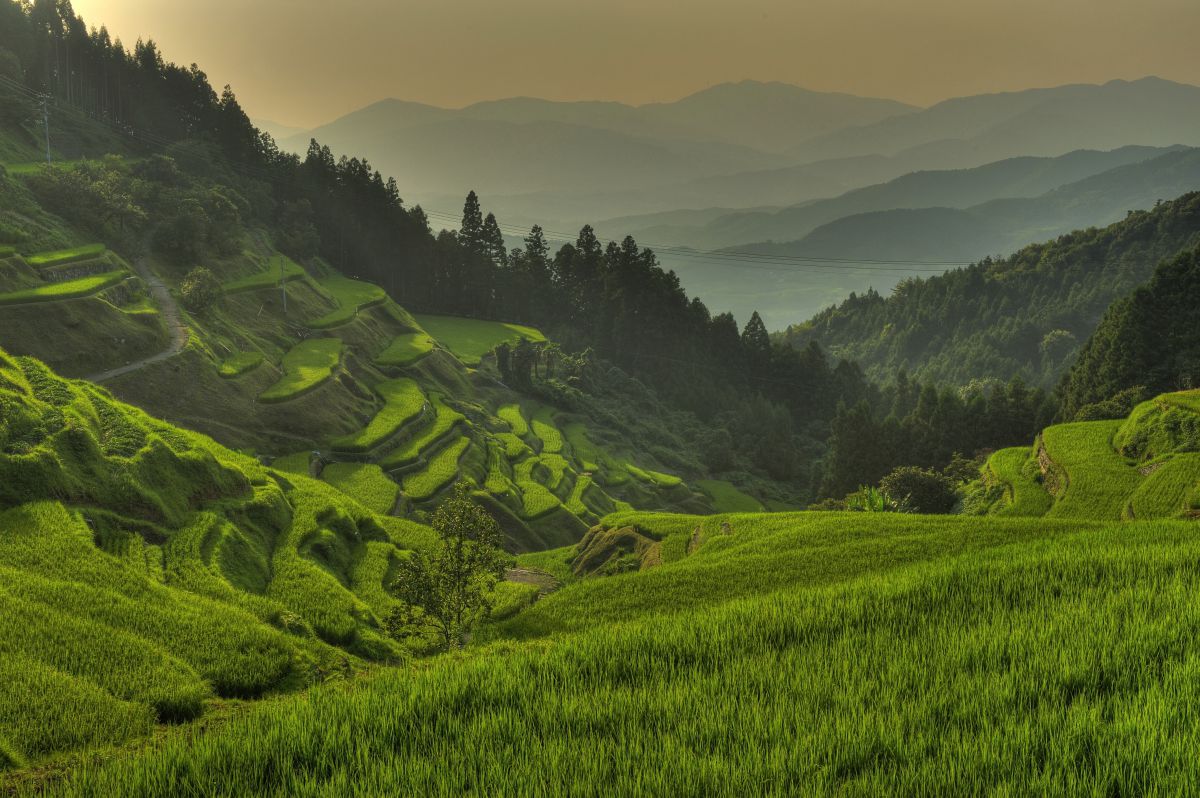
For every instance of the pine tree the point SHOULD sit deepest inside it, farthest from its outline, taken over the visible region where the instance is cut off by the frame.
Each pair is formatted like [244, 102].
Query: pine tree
[471, 231]
[493, 241]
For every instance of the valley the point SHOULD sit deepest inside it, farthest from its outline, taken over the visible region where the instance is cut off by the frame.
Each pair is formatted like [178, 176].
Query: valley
[818, 444]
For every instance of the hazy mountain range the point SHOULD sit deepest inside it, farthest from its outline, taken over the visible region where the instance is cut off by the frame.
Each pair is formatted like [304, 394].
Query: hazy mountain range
[776, 169]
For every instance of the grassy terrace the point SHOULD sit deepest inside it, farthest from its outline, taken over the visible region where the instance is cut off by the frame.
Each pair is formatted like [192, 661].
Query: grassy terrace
[351, 296]
[512, 415]
[471, 339]
[1023, 495]
[365, 482]
[445, 419]
[728, 499]
[69, 289]
[240, 363]
[1170, 490]
[305, 367]
[805, 640]
[404, 350]
[403, 403]
[62, 257]
[440, 471]
[547, 431]
[1099, 480]
[268, 278]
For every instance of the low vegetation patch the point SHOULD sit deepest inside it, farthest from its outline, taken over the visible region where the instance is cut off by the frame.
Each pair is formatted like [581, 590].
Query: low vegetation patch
[351, 296]
[440, 471]
[471, 339]
[403, 402]
[68, 289]
[240, 363]
[406, 349]
[365, 482]
[728, 499]
[62, 257]
[305, 367]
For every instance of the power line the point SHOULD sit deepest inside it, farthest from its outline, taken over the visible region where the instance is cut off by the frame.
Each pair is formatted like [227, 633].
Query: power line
[750, 259]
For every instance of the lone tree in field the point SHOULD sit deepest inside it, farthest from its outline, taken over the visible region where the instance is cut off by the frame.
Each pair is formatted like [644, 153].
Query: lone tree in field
[446, 592]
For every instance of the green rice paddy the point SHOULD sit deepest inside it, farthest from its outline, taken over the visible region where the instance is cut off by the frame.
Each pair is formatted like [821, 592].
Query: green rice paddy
[406, 349]
[351, 296]
[471, 339]
[404, 402]
[68, 289]
[305, 367]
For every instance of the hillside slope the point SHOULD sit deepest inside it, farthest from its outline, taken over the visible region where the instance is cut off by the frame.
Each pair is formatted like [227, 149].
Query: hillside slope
[823, 670]
[1142, 467]
[1026, 315]
[1150, 339]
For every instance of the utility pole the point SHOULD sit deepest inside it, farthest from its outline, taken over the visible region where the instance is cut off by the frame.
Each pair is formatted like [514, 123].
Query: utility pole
[46, 124]
[282, 285]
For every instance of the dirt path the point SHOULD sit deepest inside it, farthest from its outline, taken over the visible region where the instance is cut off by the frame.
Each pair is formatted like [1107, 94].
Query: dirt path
[528, 576]
[171, 316]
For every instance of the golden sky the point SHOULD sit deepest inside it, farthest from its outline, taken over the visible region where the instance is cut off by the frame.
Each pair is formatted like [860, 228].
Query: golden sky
[305, 62]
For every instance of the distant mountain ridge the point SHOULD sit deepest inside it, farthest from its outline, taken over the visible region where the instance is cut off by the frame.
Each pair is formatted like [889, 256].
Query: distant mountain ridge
[1000, 225]
[960, 188]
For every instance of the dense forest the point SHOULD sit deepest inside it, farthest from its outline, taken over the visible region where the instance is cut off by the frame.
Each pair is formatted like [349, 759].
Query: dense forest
[782, 408]
[1148, 340]
[1025, 315]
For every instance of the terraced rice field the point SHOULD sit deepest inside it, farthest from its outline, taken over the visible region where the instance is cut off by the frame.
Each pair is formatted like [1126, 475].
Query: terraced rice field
[365, 482]
[726, 498]
[1024, 496]
[444, 420]
[268, 278]
[546, 430]
[404, 350]
[68, 289]
[1169, 491]
[404, 401]
[305, 367]
[240, 363]
[351, 296]
[62, 257]
[471, 339]
[536, 499]
[440, 471]
[513, 415]
[1099, 481]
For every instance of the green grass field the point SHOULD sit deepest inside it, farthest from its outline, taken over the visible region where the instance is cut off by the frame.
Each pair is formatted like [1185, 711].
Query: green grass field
[365, 482]
[1059, 670]
[240, 363]
[404, 350]
[306, 366]
[1099, 480]
[268, 277]
[68, 289]
[1169, 490]
[440, 471]
[728, 499]
[1023, 495]
[546, 430]
[471, 339]
[351, 296]
[403, 403]
[513, 415]
[62, 257]
[445, 419]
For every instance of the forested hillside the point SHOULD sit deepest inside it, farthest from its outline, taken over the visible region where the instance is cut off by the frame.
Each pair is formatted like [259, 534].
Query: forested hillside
[1026, 315]
[1150, 339]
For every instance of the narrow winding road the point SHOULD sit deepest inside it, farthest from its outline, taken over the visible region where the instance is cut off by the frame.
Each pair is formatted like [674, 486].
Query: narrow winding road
[171, 316]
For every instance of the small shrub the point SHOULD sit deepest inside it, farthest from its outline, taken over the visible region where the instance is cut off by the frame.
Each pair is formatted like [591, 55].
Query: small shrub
[922, 490]
[200, 290]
